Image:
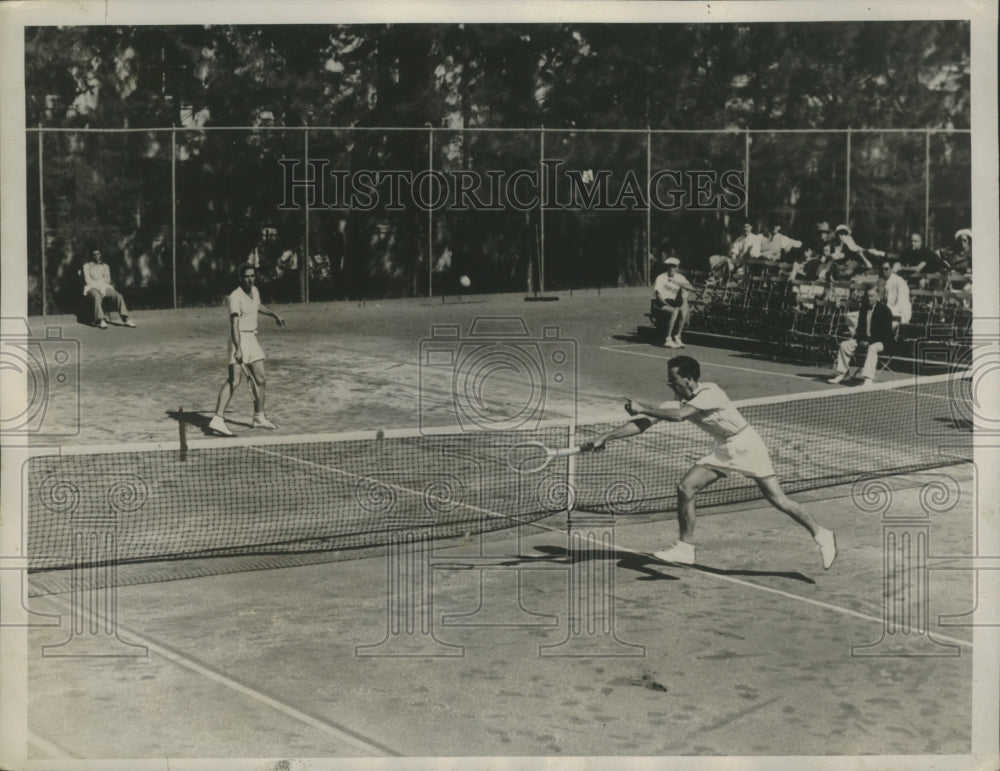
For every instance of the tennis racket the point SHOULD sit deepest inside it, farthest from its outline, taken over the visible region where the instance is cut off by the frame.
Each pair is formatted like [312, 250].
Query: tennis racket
[532, 457]
[251, 380]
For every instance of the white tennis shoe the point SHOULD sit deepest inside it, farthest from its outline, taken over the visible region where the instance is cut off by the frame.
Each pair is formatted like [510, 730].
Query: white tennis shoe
[259, 421]
[836, 378]
[680, 553]
[218, 425]
[827, 547]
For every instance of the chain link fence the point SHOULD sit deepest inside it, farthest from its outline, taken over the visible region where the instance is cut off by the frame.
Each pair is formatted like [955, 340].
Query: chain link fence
[352, 213]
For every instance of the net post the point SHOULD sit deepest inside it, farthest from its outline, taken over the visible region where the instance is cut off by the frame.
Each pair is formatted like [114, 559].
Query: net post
[590, 599]
[182, 430]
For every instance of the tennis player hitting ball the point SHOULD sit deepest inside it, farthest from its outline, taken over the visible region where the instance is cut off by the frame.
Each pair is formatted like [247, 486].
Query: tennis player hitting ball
[738, 448]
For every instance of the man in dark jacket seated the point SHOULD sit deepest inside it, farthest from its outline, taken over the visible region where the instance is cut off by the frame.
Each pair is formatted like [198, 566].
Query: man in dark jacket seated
[874, 332]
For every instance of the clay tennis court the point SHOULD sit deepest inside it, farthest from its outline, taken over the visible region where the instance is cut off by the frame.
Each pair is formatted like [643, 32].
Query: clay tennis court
[541, 640]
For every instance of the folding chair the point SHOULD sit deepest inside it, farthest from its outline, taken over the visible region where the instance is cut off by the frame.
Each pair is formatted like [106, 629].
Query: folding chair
[885, 356]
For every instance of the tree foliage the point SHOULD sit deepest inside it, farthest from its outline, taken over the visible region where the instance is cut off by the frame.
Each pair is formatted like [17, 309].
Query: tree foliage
[447, 76]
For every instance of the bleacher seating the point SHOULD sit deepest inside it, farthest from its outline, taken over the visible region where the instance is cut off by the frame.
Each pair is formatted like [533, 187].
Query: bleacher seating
[806, 320]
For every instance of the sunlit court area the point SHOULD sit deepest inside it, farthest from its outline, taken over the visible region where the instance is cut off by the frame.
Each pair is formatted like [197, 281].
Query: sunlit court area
[374, 577]
[549, 390]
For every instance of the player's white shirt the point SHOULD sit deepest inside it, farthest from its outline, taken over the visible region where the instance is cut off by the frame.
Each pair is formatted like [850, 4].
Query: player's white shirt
[245, 306]
[716, 413]
[668, 287]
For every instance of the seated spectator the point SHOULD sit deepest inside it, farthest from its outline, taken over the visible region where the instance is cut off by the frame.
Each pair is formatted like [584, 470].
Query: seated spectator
[874, 333]
[97, 285]
[776, 244]
[848, 258]
[669, 305]
[916, 257]
[897, 293]
[720, 269]
[961, 261]
[746, 246]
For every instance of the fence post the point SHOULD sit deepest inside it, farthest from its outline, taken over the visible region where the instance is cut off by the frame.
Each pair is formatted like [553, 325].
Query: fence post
[541, 211]
[927, 188]
[430, 217]
[173, 210]
[304, 263]
[649, 205]
[746, 174]
[41, 215]
[847, 182]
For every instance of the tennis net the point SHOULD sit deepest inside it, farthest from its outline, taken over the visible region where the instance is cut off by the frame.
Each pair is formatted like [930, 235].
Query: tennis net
[351, 491]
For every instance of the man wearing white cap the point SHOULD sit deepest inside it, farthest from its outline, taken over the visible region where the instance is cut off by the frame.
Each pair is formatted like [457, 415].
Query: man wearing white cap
[670, 299]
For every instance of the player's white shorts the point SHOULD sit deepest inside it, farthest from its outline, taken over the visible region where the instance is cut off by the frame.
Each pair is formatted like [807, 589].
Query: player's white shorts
[745, 453]
[251, 349]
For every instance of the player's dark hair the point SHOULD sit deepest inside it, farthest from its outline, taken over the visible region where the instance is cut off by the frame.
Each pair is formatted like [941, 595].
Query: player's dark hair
[685, 366]
[245, 266]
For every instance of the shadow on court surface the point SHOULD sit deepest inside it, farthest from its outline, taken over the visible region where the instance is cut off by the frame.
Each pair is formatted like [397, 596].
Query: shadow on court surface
[201, 420]
[644, 564]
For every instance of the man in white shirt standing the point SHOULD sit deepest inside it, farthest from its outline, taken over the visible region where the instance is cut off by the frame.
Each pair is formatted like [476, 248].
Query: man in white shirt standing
[97, 285]
[670, 300]
[897, 293]
[738, 448]
[245, 352]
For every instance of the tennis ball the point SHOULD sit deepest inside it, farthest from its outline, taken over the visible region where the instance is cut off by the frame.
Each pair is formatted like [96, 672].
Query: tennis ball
[464, 281]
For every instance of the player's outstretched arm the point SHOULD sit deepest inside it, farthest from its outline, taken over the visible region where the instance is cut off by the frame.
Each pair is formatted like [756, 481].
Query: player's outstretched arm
[633, 428]
[268, 312]
[671, 414]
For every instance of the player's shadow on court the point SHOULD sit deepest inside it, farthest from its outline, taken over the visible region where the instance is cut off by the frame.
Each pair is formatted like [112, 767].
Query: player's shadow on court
[193, 420]
[651, 568]
[642, 335]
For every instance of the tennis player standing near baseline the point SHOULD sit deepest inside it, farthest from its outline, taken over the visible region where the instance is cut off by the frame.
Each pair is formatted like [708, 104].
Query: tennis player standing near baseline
[244, 351]
[738, 447]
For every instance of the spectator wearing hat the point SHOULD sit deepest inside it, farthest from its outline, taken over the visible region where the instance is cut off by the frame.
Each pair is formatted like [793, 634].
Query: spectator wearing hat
[962, 260]
[819, 247]
[97, 286]
[848, 258]
[669, 304]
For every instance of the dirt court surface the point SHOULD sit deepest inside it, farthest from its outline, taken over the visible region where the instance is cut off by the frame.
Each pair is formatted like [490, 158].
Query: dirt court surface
[349, 366]
[556, 641]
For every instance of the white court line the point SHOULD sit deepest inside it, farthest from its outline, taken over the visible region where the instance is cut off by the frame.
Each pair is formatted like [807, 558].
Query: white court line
[625, 349]
[52, 751]
[799, 597]
[596, 540]
[339, 733]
